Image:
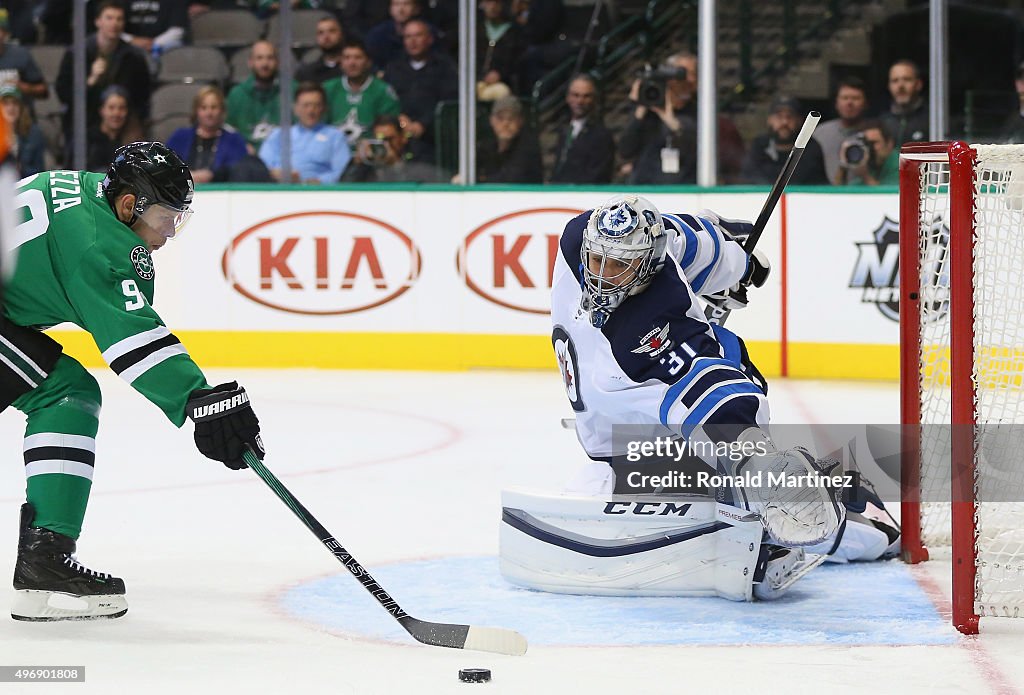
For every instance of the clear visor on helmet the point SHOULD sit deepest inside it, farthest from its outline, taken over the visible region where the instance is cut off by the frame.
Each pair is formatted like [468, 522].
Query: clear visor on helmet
[164, 219]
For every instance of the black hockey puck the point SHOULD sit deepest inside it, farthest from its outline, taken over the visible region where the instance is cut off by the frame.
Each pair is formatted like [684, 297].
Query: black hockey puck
[474, 675]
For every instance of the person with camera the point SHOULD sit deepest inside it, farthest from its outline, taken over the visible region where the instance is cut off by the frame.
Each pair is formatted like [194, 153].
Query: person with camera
[851, 107]
[390, 157]
[660, 142]
[869, 158]
[769, 151]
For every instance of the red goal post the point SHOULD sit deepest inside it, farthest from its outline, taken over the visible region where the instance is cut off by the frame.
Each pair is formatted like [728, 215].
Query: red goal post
[962, 369]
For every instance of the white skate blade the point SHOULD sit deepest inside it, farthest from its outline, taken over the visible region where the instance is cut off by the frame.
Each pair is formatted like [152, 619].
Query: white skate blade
[767, 591]
[44, 606]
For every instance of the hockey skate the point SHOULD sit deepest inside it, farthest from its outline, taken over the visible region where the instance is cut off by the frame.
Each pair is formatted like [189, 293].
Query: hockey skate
[51, 585]
[783, 567]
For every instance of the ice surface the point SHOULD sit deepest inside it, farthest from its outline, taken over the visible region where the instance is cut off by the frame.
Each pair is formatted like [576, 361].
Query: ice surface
[405, 469]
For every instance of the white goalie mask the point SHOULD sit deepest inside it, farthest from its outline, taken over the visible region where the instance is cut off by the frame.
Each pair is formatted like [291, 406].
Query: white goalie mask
[623, 248]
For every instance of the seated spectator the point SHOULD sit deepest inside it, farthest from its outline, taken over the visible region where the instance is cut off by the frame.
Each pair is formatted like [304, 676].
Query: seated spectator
[253, 105]
[117, 126]
[110, 61]
[390, 157]
[18, 68]
[356, 98]
[660, 142]
[907, 117]
[28, 145]
[1013, 127]
[422, 77]
[500, 44]
[319, 152]
[155, 24]
[329, 39]
[768, 151]
[851, 107]
[585, 152]
[508, 153]
[384, 41]
[730, 143]
[870, 159]
[213, 151]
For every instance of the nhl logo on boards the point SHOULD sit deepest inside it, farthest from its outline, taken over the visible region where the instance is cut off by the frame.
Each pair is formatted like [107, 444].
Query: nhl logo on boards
[654, 343]
[876, 272]
[143, 262]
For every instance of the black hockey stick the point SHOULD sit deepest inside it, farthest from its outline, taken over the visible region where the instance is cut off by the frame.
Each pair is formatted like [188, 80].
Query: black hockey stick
[716, 314]
[486, 639]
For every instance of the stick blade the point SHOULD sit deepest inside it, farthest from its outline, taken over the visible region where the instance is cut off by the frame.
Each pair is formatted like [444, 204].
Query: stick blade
[496, 640]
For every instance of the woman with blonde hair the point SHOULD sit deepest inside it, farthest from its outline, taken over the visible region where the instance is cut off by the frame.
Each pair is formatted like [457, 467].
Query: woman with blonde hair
[26, 144]
[213, 150]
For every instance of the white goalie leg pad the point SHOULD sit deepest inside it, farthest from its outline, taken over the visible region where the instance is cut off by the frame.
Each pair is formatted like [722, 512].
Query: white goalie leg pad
[859, 541]
[643, 545]
[788, 491]
[44, 606]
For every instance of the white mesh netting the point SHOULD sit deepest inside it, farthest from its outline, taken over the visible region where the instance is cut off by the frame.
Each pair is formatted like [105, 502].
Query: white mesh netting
[998, 377]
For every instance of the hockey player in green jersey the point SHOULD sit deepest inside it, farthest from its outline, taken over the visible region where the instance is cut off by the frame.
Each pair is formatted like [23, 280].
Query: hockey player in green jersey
[84, 242]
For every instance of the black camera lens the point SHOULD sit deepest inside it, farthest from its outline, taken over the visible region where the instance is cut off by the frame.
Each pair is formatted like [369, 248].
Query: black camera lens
[651, 93]
[855, 154]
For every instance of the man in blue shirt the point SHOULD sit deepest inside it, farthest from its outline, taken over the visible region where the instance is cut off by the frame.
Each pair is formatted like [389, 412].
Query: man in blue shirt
[319, 151]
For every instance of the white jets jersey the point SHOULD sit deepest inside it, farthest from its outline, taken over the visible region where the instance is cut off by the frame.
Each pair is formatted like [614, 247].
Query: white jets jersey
[656, 360]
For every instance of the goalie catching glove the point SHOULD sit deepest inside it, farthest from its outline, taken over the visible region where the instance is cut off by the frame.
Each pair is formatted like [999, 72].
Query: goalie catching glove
[735, 297]
[225, 424]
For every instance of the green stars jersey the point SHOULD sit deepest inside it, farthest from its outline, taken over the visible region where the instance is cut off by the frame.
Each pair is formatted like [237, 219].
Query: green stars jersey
[78, 263]
[353, 110]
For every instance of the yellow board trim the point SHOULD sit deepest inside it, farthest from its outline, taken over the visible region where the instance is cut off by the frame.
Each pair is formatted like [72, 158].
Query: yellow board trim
[843, 361]
[456, 351]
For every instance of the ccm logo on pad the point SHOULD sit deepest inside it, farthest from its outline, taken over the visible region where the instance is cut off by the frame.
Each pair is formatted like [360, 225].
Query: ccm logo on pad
[647, 508]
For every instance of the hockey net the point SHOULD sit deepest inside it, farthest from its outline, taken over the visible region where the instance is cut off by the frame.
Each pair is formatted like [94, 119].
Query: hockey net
[962, 369]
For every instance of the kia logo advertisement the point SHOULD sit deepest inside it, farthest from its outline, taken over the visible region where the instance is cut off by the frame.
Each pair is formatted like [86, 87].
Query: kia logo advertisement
[321, 263]
[510, 260]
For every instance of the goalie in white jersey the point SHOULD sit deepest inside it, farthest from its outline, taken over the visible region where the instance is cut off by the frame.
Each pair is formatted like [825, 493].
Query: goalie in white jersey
[634, 348]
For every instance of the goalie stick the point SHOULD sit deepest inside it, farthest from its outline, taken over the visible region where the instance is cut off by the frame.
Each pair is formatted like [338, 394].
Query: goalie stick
[716, 314]
[486, 639]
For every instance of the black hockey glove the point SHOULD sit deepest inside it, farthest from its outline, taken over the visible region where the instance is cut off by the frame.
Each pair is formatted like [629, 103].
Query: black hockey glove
[225, 424]
[735, 297]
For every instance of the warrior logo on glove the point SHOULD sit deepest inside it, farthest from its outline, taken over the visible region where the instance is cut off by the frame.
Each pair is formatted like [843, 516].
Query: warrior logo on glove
[225, 424]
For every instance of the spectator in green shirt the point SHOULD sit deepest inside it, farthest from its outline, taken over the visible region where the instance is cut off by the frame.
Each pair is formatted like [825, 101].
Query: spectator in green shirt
[253, 105]
[878, 165]
[355, 99]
